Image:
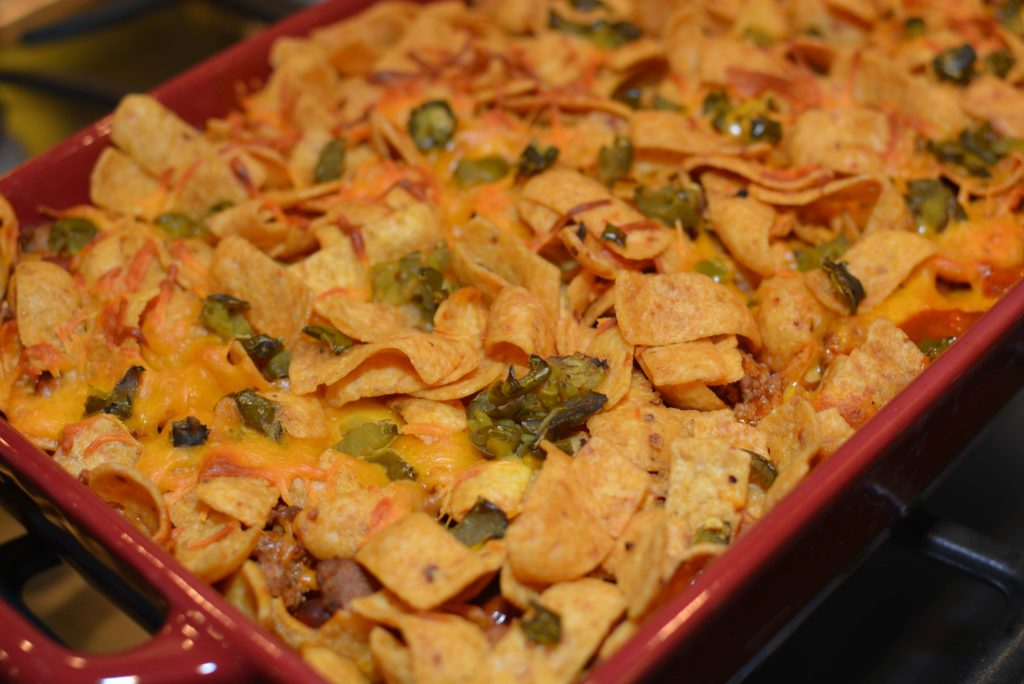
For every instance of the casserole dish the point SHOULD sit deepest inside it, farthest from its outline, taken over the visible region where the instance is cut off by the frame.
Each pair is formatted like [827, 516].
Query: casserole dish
[718, 592]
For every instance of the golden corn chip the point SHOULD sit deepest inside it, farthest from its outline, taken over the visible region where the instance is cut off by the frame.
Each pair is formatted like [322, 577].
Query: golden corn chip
[336, 669]
[861, 383]
[848, 140]
[890, 211]
[365, 321]
[134, 496]
[381, 606]
[444, 647]
[589, 253]
[695, 396]
[486, 372]
[641, 433]
[614, 485]
[46, 301]
[767, 177]
[744, 225]
[341, 525]
[723, 424]
[386, 138]
[392, 657]
[247, 590]
[96, 441]
[664, 309]
[287, 627]
[516, 591]
[208, 543]
[301, 417]
[518, 327]
[787, 480]
[787, 316]
[449, 416]
[280, 302]
[347, 634]
[792, 432]
[8, 242]
[247, 499]
[991, 99]
[503, 483]
[588, 608]
[490, 259]
[119, 184]
[997, 241]
[622, 633]
[833, 430]
[609, 346]
[557, 537]
[255, 221]
[880, 261]
[638, 552]
[462, 314]
[671, 132]
[865, 185]
[711, 363]
[708, 481]
[414, 228]
[420, 561]
[514, 659]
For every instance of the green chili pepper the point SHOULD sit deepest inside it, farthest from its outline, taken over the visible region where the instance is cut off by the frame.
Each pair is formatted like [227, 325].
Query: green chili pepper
[331, 337]
[432, 125]
[714, 269]
[117, 402]
[368, 437]
[331, 163]
[713, 531]
[914, 27]
[70, 234]
[543, 626]
[810, 259]
[189, 432]
[762, 471]
[470, 172]
[933, 347]
[933, 205]
[258, 413]
[614, 234]
[180, 226]
[956, 64]
[604, 34]
[758, 36]
[536, 159]
[395, 467]
[613, 162]
[484, 521]
[844, 283]
[999, 62]
[222, 315]
[671, 204]
[268, 355]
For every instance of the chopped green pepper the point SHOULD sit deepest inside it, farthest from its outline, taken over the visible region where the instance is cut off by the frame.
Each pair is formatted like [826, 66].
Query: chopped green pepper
[933, 205]
[331, 337]
[747, 120]
[1008, 13]
[914, 27]
[762, 471]
[758, 36]
[956, 64]
[671, 204]
[432, 125]
[331, 162]
[189, 432]
[604, 34]
[70, 234]
[587, 5]
[484, 521]
[713, 531]
[268, 355]
[543, 626]
[222, 314]
[411, 281]
[975, 149]
[180, 226]
[367, 438]
[490, 169]
[395, 467]
[258, 413]
[117, 402]
[844, 283]
[811, 258]
[613, 161]
[550, 401]
[933, 347]
[536, 159]
[714, 269]
[614, 234]
[664, 104]
[999, 62]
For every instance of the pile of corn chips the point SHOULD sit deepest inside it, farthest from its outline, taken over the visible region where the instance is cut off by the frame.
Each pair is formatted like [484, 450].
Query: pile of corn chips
[473, 328]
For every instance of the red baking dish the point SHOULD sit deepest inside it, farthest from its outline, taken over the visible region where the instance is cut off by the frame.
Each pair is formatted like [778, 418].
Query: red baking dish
[710, 626]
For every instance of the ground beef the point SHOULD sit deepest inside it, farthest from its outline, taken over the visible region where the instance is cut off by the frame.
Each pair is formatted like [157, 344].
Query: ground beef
[341, 580]
[753, 397]
[283, 561]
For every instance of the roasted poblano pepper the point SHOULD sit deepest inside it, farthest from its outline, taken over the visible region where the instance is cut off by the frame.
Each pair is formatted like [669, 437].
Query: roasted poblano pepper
[258, 413]
[268, 354]
[748, 120]
[933, 205]
[713, 531]
[469, 172]
[762, 472]
[180, 226]
[222, 314]
[117, 402]
[329, 336]
[671, 204]
[811, 258]
[933, 347]
[414, 280]
[956, 64]
[70, 234]
[712, 268]
[551, 400]
[975, 150]
[542, 625]
[432, 125]
[999, 62]
[484, 521]
[614, 234]
[613, 161]
[603, 33]
[844, 284]
[369, 441]
[535, 159]
[189, 432]
[331, 162]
